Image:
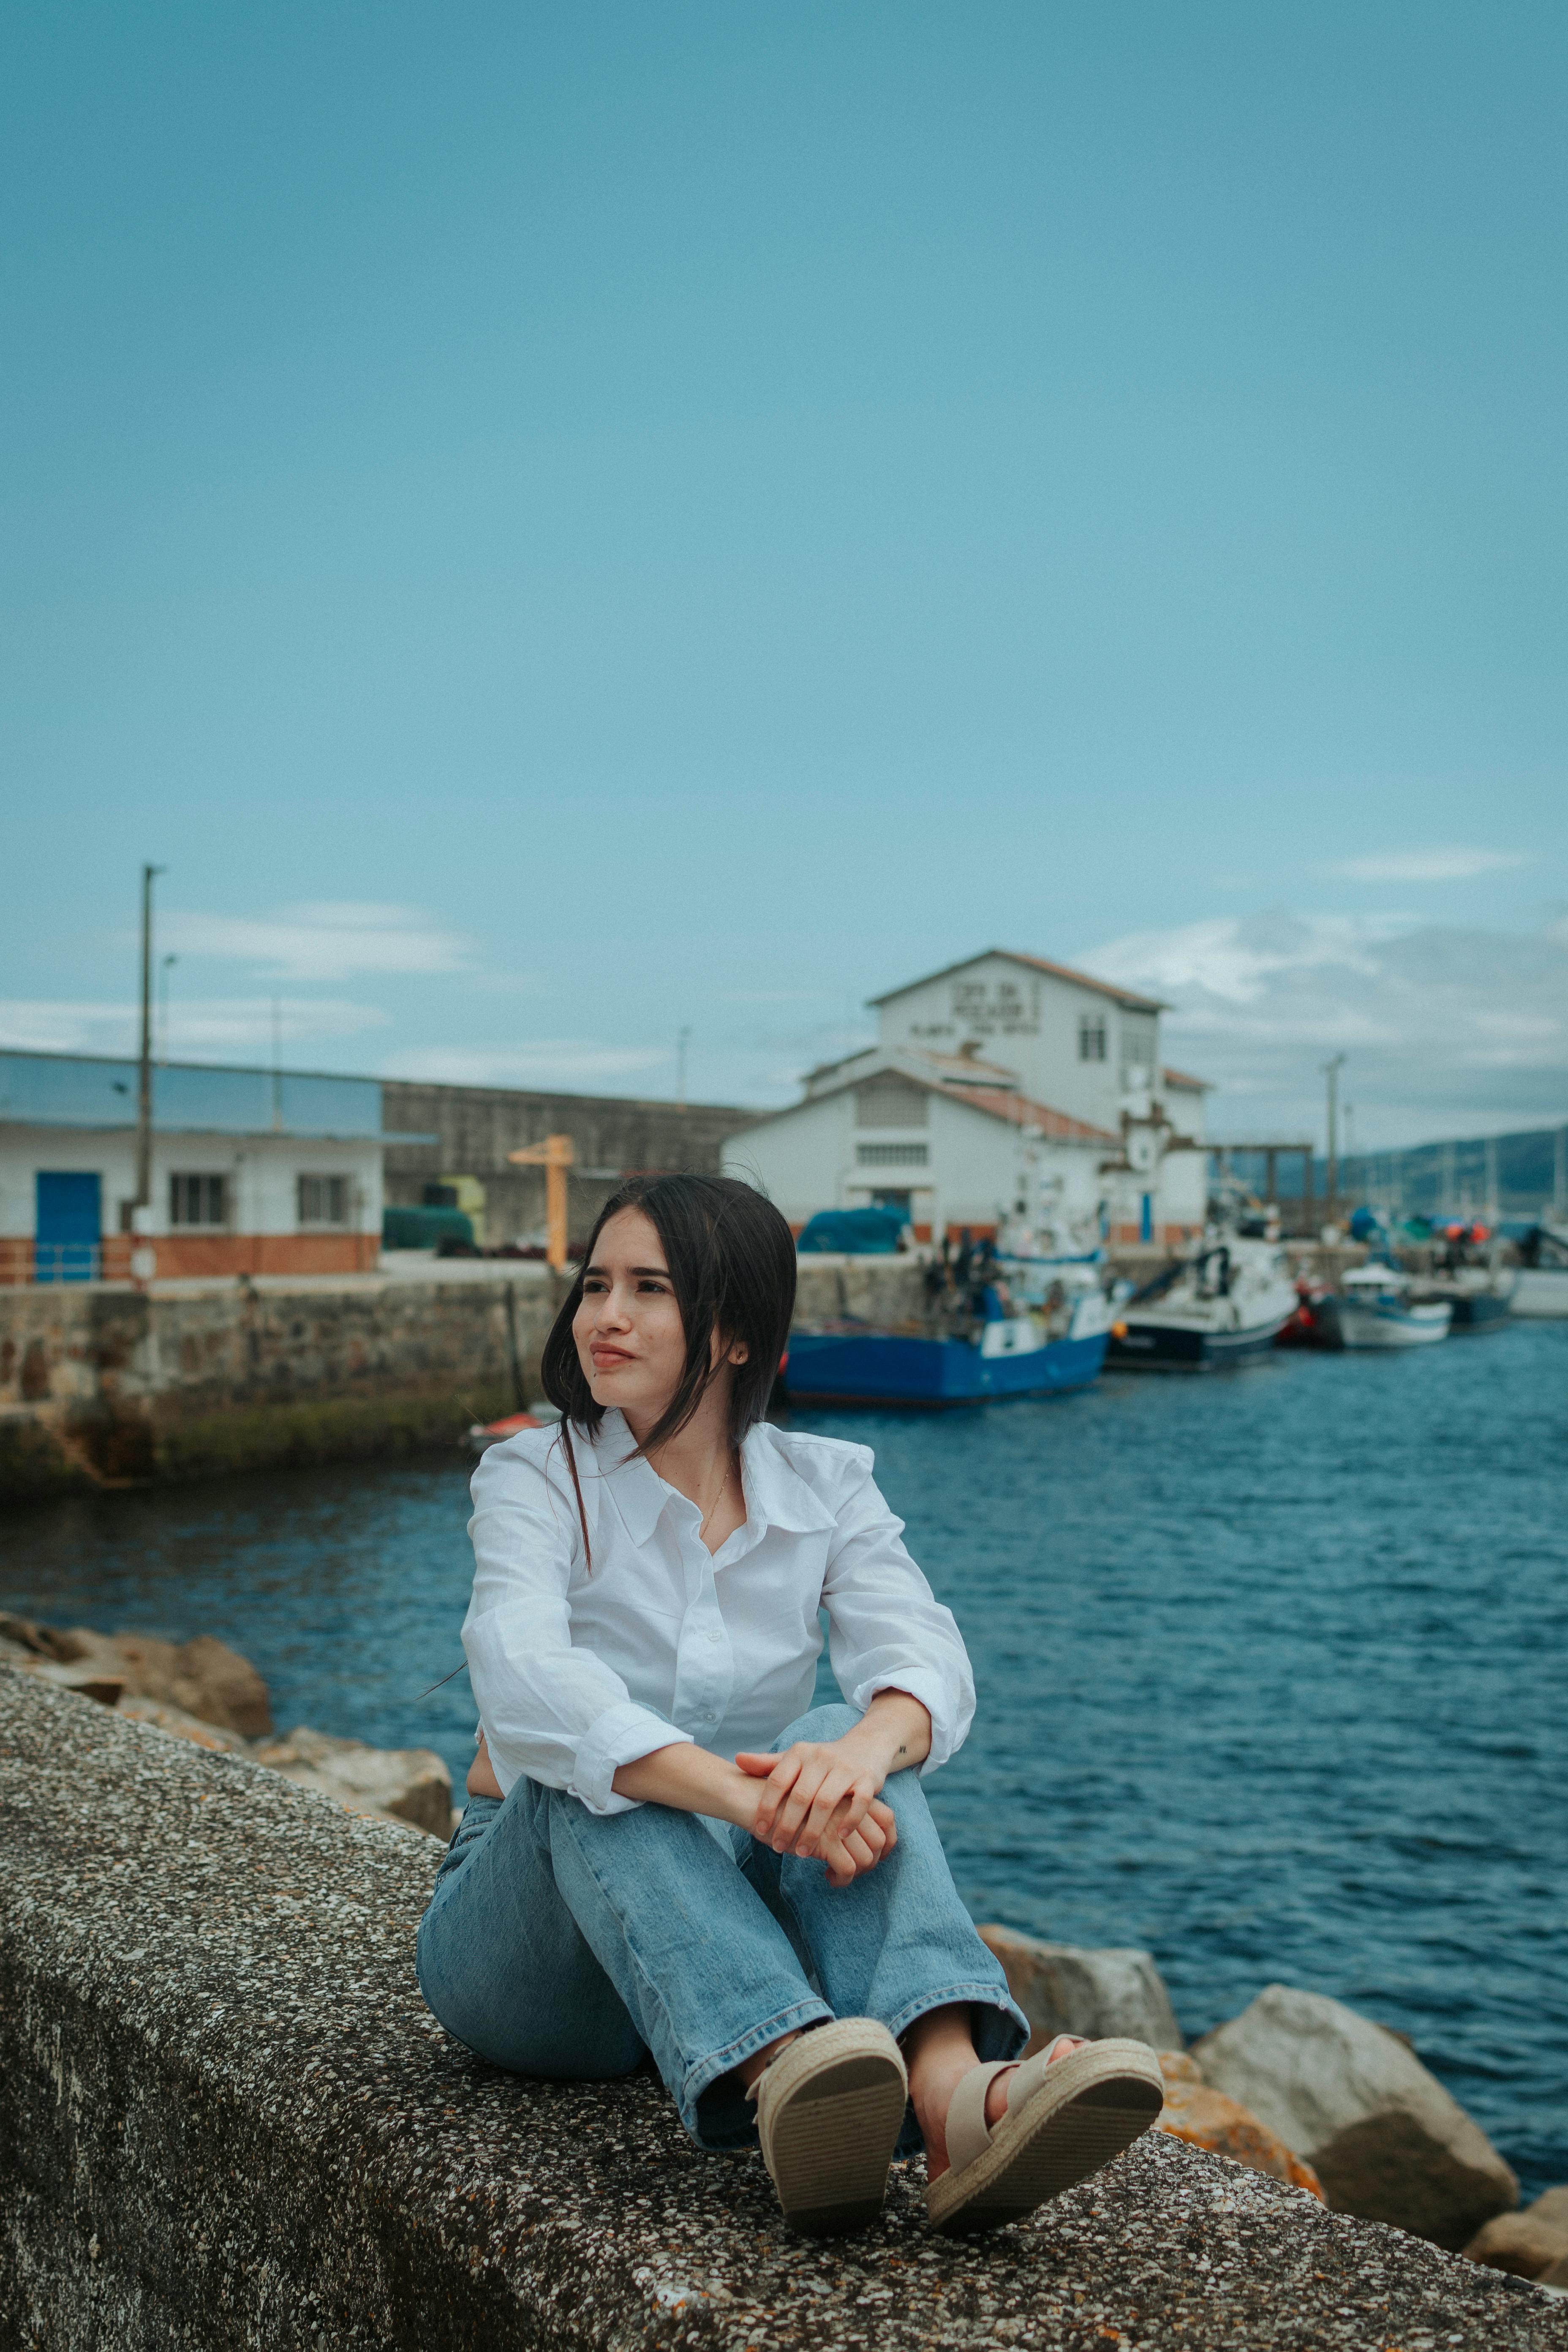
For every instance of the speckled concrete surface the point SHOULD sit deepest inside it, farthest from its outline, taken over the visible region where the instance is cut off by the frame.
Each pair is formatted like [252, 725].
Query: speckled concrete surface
[227, 2120]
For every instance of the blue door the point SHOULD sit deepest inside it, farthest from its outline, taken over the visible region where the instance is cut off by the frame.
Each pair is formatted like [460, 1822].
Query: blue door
[67, 1228]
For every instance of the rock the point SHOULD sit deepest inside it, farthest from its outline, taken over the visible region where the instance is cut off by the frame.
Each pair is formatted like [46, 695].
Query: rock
[1519, 2242]
[181, 1726]
[1062, 1989]
[89, 1681]
[409, 1784]
[1384, 2137]
[204, 1678]
[1551, 2207]
[1208, 2118]
[1557, 2277]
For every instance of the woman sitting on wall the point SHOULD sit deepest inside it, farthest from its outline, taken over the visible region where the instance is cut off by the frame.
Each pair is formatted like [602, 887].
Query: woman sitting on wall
[666, 1847]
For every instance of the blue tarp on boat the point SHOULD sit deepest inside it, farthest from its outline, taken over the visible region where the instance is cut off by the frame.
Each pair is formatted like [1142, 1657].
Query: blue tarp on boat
[859, 1232]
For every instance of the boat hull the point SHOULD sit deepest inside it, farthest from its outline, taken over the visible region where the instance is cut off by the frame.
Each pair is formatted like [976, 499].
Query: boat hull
[1479, 1310]
[1542, 1290]
[877, 1368]
[1371, 1326]
[1150, 1346]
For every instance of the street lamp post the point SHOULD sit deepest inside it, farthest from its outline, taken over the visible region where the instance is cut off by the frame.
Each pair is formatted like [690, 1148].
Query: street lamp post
[1332, 1069]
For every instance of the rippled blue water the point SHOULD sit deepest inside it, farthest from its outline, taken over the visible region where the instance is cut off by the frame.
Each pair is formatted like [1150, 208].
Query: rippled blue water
[1271, 1670]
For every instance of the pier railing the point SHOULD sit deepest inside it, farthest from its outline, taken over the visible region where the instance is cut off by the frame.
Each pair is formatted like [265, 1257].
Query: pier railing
[25, 1262]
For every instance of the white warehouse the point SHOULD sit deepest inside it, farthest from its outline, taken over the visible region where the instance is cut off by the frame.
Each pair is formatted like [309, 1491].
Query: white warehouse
[1004, 1089]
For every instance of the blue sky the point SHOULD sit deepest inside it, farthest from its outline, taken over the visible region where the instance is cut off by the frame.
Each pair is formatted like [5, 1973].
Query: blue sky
[558, 525]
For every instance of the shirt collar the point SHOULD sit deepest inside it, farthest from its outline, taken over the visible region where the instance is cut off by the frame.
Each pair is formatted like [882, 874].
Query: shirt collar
[776, 1494]
[638, 1492]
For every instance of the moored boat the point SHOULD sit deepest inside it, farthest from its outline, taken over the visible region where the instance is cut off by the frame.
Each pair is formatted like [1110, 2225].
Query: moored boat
[1040, 1329]
[1377, 1310]
[1541, 1288]
[1480, 1298]
[1316, 1322]
[1227, 1302]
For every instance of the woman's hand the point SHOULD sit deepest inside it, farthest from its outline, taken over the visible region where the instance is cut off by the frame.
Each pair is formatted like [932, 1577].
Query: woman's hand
[822, 1797]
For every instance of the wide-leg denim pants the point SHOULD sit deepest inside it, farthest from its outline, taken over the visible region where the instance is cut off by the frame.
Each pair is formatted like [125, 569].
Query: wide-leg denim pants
[566, 1944]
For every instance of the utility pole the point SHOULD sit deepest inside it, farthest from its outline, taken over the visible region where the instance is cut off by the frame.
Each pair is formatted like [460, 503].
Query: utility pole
[277, 1066]
[145, 1075]
[680, 1039]
[1332, 1069]
[164, 968]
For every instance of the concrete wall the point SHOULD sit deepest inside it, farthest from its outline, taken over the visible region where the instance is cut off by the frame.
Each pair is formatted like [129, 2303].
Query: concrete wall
[97, 1383]
[478, 1125]
[100, 1384]
[228, 2124]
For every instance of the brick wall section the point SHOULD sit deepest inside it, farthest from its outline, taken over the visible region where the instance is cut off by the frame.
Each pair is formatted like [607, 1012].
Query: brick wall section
[480, 1125]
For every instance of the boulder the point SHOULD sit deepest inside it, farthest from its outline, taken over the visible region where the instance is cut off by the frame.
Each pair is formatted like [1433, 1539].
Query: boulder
[1551, 2207]
[410, 1784]
[1384, 2137]
[204, 1678]
[1063, 1988]
[1521, 2243]
[181, 1726]
[1206, 2118]
[90, 1682]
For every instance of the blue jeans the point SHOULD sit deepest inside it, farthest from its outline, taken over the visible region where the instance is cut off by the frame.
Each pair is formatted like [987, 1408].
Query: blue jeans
[567, 1944]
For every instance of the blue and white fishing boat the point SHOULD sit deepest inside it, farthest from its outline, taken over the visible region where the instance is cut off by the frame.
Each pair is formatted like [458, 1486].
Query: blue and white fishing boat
[1376, 1310]
[1043, 1332]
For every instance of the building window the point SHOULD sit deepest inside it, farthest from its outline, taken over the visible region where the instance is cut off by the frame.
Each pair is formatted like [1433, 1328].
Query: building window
[199, 1201]
[889, 1100]
[1137, 1050]
[1091, 1037]
[892, 1155]
[323, 1200]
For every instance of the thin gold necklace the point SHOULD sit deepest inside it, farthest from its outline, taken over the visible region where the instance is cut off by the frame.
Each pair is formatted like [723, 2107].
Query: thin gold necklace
[702, 1527]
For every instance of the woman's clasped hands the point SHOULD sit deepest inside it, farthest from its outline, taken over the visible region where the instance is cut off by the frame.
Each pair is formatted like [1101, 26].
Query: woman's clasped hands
[821, 1799]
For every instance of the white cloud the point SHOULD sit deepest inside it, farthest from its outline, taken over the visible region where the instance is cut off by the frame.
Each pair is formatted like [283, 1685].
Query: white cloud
[1427, 865]
[241, 1027]
[1445, 1030]
[325, 940]
[552, 1062]
[45, 1025]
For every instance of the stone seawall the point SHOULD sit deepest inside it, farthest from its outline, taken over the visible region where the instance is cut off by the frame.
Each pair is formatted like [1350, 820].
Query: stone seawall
[103, 1384]
[227, 2120]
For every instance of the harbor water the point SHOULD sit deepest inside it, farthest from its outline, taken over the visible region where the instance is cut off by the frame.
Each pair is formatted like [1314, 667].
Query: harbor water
[1271, 1670]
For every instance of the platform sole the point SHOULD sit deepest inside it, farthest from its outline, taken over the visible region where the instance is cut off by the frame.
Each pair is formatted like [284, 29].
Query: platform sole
[832, 2126]
[1090, 2107]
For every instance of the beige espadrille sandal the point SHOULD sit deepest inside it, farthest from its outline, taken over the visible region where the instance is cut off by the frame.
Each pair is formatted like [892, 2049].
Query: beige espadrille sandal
[1063, 2122]
[829, 2110]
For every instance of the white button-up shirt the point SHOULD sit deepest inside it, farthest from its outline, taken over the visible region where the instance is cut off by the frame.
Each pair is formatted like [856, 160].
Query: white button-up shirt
[578, 1672]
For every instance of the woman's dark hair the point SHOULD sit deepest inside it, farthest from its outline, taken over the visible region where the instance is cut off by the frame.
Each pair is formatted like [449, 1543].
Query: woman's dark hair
[732, 1269]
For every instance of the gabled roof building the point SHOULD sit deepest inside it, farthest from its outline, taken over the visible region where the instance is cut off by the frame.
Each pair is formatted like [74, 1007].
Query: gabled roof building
[1005, 1091]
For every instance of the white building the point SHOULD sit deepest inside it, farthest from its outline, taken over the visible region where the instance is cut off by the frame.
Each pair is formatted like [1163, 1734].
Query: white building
[253, 1171]
[1003, 1088]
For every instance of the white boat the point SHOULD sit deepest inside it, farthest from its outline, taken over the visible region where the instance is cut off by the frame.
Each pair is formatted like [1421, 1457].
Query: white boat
[1229, 1301]
[1376, 1310]
[1543, 1286]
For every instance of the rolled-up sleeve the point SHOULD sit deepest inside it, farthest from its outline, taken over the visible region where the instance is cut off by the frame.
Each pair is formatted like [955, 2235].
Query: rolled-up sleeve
[887, 1630]
[552, 1711]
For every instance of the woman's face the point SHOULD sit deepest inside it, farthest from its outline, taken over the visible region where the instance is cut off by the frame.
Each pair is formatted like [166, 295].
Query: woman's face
[631, 1342]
